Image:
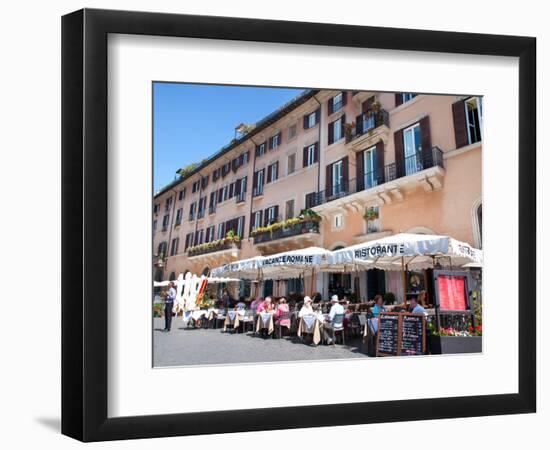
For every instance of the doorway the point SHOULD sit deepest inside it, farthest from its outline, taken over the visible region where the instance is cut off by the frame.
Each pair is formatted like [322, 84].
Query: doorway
[376, 283]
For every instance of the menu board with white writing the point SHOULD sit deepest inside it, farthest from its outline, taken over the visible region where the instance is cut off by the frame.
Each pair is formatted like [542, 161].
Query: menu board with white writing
[413, 330]
[388, 334]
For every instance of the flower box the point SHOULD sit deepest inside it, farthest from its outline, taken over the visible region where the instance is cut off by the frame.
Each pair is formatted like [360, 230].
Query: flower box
[443, 345]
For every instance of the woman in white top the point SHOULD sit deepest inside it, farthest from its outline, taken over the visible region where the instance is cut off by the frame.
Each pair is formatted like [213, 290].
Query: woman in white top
[306, 308]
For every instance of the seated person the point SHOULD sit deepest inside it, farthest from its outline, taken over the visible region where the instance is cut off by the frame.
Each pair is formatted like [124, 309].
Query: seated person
[255, 303]
[241, 304]
[335, 310]
[416, 308]
[282, 316]
[306, 309]
[265, 306]
[378, 306]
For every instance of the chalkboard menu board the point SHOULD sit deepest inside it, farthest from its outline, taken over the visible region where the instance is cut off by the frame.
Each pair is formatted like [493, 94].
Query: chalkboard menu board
[413, 332]
[388, 334]
[401, 334]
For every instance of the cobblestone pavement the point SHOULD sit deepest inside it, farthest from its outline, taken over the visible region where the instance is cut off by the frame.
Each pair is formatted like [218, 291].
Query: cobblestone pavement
[189, 346]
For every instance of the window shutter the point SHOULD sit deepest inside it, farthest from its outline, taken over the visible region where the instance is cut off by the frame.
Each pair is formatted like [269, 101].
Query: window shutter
[263, 178]
[345, 172]
[330, 106]
[459, 121]
[255, 180]
[367, 104]
[220, 195]
[426, 138]
[380, 175]
[328, 180]
[344, 98]
[277, 170]
[359, 170]
[270, 143]
[276, 213]
[245, 183]
[266, 216]
[280, 137]
[268, 180]
[231, 189]
[257, 151]
[359, 125]
[398, 99]
[399, 154]
[237, 187]
[330, 133]
[306, 123]
[317, 115]
[343, 126]
[305, 157]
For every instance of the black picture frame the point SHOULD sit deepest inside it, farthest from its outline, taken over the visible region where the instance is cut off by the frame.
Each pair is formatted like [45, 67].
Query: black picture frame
[84, 224]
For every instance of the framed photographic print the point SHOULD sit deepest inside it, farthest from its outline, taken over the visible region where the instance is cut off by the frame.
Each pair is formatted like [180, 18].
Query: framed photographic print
[259, 214]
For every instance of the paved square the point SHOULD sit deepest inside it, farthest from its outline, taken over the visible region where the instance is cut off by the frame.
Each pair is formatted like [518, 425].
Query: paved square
[187, 346]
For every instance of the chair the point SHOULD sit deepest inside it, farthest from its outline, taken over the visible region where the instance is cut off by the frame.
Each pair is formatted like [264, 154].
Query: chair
[354, 324]
[248, 319]
[337, 325]
[308, 325]
[283, 321]
[219, 316]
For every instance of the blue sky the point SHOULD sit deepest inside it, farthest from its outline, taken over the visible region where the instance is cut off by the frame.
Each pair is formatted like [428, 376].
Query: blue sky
[193, 121]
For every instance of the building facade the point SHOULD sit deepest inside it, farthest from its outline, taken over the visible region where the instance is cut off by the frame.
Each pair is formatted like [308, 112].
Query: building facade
[369, 164]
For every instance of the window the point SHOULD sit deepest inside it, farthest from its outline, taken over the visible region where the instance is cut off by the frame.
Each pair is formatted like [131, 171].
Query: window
[210, 233]
[179, 213]
[311, 119]
[225, 193]
[338, 221]
[221, 230]
[165, 221]
[195, 186]
[271, 215]
[244, 158]
[336, 103]
[369, 166]
[407, 96]
[290, 164]
[257, 220]
[473, 119]
[311, 155]
[412, 146]
[336, 130]
[199, 237]
[168, 204]
[154, 226]
[260, 149]
[188, 240]
[275, 141]
[156, 208]
[161, 250]
[192, 210]
[240, 226]
[337, 177]
[272, 172]
[258, 183]
[174, 246]
[289, 209]
[292, 131]
[181, 195]
[372, 214]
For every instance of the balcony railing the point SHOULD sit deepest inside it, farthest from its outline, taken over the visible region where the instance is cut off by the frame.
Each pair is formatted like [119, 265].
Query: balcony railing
[258, 191]
[367, 122]
[408, 166]
[200, 214]
[211, 209]
[240, 198]
[215, 246]
[192, 216]
[296, 229]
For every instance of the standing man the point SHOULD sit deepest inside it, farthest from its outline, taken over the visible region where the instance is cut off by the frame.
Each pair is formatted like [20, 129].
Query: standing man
[168, 305]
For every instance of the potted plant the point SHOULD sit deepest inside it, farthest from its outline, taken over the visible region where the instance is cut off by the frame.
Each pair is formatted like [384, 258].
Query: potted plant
[370, 214]
[451, 341]
[376, 106]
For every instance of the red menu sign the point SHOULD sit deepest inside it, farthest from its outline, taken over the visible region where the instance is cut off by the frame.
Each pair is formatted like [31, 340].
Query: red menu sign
[452, 293]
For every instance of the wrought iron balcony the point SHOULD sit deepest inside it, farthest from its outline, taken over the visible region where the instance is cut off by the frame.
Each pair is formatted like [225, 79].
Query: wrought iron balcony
[295, 229]
[408, 166]
[367, 122]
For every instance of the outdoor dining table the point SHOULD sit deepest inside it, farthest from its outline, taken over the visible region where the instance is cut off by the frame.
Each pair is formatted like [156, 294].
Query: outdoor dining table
[264, 321]
[312, 324]
[233, 318]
